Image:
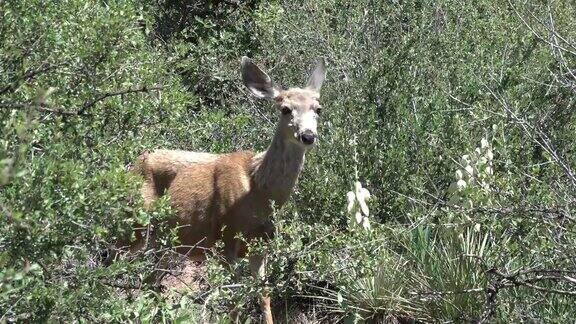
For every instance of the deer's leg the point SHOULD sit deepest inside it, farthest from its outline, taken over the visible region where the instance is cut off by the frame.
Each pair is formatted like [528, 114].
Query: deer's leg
[231, 248]
[148, 192]
[258, 269]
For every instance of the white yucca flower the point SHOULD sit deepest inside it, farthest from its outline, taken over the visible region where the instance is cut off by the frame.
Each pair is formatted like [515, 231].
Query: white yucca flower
[489, 155]
[474, 172]
[459, 175]
[469, 171]
[351, 201]
[477, 227]
[357, 206]
[489, 170]
[483, 143]
[461, 184]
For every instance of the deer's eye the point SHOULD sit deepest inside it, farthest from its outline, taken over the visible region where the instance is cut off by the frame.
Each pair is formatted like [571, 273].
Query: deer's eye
[285, 110]
[318, 111]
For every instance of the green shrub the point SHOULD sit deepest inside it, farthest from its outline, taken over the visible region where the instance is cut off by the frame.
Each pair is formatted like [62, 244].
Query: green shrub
[412, 87]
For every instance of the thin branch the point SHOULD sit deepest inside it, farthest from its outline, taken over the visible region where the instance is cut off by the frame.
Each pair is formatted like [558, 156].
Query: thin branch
[122, 286]
[449, 292]
[40, 107]
[44, 67]
[90, 103]
[536, 134]
[549, 290]
[82, 110]
[536, 34]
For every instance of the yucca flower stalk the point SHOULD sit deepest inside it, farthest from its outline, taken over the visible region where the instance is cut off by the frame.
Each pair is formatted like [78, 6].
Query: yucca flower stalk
[357, 206]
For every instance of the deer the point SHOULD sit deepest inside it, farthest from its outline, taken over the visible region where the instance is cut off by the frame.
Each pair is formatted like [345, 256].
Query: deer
[219, 196]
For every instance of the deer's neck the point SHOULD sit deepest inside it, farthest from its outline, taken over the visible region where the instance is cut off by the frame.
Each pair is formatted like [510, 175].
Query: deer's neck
[276, 170]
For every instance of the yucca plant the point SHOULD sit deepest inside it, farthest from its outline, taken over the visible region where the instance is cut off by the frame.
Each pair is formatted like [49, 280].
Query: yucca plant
[383, 296]
[452, 275]
[434, 275]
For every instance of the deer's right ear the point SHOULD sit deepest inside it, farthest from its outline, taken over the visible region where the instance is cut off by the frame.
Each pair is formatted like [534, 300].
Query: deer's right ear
[257, 80]
[318, 76]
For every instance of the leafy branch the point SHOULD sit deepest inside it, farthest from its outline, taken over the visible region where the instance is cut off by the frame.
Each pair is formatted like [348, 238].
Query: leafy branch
[43, 107]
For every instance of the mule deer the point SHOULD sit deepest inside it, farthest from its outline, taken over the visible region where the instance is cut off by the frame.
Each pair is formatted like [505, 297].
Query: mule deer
[218, 196]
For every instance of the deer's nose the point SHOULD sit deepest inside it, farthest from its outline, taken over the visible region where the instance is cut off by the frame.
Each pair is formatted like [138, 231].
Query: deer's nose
[308, 138]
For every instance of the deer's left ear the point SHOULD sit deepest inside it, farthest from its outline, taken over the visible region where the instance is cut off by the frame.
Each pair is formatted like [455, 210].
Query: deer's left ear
[318, 76]
[257, 80]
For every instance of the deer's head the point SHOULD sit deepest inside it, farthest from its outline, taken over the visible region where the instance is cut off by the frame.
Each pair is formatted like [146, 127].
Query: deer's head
[298, 108]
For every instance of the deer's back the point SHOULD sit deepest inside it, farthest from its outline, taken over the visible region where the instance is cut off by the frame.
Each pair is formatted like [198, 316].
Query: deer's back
[160, 167]
[209, 197]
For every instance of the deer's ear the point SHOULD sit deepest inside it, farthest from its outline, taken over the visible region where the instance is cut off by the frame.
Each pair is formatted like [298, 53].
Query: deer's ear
[318, 76]
[257, 80]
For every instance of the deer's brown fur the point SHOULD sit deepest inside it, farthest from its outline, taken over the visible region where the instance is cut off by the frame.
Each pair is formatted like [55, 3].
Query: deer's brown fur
[218, 196]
